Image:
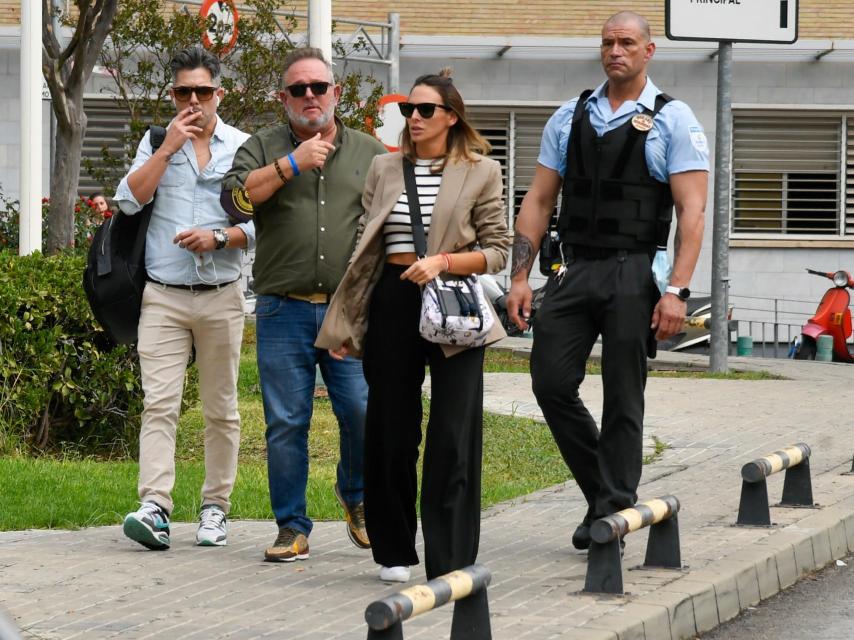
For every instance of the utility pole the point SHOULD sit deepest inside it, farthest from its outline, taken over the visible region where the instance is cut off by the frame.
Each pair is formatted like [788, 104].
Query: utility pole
[320, 26]
[30, 228]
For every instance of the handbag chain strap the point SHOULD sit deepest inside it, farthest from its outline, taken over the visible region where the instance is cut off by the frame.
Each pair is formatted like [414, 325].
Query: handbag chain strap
[419, 239]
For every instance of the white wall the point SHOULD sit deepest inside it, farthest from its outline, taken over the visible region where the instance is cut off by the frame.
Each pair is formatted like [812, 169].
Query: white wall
[10, 127]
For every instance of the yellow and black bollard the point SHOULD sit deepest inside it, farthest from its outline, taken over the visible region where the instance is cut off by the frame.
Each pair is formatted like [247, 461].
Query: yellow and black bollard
[753, 509]
[604, 559]
[466, 588]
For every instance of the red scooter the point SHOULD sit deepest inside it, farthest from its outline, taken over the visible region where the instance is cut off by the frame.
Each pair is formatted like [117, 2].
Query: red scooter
[833, 318]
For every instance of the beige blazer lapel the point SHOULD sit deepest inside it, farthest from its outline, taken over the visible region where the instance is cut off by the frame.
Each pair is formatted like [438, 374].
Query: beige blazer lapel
[453, 178]
[386, 195]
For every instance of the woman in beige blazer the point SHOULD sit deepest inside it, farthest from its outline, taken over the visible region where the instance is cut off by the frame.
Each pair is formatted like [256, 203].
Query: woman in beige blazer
[375, 312]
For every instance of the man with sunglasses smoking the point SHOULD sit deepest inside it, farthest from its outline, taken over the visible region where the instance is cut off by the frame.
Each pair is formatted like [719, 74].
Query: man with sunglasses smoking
[305, 180]
[623, 156]
[193, 298]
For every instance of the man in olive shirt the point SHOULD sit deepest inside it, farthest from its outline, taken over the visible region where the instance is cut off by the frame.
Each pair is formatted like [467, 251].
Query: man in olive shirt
[305, 180]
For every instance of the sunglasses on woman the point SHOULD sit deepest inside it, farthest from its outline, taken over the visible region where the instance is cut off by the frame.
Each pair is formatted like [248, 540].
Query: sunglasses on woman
[202, 93]
[317, 88]
[425, 109]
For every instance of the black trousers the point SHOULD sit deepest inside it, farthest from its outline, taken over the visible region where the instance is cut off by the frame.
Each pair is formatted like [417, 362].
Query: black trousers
[614, 297]
[394, 363]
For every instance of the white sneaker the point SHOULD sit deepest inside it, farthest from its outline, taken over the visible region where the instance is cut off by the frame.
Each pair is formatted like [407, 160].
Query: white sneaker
[213, 530]
[394, 574]
[149, 526]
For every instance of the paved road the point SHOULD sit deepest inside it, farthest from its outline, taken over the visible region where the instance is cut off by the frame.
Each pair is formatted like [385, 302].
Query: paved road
[819, 607]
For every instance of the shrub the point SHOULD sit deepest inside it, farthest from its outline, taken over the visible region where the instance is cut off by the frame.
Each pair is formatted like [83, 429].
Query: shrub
[86, 221]
[62, 388]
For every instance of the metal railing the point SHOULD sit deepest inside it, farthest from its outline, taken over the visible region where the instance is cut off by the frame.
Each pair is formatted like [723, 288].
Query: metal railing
[773, 323]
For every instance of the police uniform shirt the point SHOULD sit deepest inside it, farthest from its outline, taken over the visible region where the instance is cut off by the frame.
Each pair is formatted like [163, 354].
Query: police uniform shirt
[675, 144]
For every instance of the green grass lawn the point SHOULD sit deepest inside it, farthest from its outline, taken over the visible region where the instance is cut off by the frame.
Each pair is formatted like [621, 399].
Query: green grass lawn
[519, 457]
[502, 360]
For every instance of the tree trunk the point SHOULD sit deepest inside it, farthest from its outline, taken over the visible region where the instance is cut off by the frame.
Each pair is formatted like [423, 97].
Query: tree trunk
[65, 177]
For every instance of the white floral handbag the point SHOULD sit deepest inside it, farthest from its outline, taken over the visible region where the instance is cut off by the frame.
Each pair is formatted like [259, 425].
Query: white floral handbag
[454, 309]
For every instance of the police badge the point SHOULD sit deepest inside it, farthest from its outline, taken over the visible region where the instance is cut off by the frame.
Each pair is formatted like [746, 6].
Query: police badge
[642, 122]
[237, 204]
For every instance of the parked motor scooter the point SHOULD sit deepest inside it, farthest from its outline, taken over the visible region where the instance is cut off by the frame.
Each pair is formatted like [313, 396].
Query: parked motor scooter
[497, 295]
[833, 318]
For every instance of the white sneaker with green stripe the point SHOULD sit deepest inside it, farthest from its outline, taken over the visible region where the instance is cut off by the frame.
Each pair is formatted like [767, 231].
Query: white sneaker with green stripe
[149, 526]
[213, 530]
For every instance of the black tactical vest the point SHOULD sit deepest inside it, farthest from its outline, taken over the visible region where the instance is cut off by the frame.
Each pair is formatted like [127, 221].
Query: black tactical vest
[610, 200]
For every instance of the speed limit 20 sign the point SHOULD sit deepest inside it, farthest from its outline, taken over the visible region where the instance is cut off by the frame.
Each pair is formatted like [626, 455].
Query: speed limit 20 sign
[220, 18]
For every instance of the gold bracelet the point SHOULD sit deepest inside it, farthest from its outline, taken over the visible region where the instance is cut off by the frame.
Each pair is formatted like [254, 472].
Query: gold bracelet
[279, 171]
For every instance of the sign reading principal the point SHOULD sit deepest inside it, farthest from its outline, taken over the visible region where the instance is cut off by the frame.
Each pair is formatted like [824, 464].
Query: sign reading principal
[774, 21]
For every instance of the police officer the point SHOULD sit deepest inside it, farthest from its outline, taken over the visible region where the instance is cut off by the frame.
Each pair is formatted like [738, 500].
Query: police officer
[623, 155]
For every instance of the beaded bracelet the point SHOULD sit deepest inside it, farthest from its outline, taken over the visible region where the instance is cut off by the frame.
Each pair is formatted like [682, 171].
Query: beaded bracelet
[293, 164]
[279, 171]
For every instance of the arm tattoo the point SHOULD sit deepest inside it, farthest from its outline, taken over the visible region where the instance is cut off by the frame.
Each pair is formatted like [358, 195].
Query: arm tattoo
[523, 255]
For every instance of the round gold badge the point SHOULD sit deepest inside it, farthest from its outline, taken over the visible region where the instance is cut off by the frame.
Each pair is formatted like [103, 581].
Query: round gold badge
[642, 122]
[237, 204]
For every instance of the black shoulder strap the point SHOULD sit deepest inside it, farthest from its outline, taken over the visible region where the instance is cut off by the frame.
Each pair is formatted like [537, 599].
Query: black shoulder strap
[634, 135]
[574, 142]
[156, 136]
[418, 237]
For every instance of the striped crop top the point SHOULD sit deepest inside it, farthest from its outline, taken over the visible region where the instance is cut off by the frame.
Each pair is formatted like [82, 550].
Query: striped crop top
[398, 226]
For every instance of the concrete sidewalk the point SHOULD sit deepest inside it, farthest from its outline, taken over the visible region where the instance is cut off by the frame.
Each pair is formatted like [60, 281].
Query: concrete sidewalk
[94, 583]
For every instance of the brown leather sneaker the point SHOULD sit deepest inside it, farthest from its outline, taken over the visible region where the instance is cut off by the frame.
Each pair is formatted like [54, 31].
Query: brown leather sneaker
[290, 545]
[355, 517]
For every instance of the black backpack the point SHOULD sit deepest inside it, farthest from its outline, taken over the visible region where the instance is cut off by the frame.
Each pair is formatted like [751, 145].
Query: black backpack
[115, 275]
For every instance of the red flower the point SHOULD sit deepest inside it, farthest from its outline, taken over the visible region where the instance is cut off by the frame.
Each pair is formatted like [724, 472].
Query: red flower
[108, 214]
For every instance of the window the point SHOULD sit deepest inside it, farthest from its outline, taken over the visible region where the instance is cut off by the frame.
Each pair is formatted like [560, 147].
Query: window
[787, 175]
[515, 134]
[106, 125]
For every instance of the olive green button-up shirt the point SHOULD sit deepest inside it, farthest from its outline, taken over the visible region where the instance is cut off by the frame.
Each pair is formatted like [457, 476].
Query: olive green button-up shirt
[306, 232]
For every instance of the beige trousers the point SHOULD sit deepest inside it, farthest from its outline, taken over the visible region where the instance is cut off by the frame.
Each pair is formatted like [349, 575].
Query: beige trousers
[172, 320]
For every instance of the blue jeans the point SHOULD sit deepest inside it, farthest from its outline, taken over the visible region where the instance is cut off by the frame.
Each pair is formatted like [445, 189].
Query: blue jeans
[286, 331]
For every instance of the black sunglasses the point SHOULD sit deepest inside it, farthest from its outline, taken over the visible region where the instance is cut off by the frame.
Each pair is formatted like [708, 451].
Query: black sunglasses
[202, 93]
[317, 88]
[425, 109]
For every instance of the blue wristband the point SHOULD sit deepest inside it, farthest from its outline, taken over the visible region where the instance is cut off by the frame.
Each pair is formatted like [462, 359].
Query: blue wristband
[293, 164]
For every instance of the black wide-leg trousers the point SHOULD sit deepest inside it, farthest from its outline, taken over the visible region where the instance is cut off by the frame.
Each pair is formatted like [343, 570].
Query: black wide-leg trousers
[394, 362]
[614, 297]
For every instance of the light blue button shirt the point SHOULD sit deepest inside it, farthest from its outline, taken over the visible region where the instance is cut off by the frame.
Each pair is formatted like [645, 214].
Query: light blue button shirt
[676, 142]
[187, 199]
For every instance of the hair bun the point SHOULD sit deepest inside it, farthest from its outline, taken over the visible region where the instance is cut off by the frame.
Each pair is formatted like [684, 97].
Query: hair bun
[446, 72]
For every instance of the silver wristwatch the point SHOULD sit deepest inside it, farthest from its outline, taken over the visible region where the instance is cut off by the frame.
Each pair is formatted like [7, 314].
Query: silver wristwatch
[220, 238]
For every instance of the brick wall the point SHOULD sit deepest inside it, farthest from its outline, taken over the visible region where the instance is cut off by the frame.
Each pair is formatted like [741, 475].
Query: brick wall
[819, 19]
[10, 12]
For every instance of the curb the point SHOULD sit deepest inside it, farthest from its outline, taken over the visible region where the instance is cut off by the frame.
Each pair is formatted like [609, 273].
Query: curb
[703, 599]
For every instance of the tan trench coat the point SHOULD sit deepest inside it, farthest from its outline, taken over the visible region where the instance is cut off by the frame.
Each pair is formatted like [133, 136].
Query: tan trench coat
[469, 209]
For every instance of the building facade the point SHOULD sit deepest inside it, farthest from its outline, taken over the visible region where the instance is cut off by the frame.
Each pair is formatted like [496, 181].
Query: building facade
[792, 190]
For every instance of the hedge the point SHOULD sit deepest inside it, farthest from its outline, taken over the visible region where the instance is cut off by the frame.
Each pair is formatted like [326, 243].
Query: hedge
[62, 387]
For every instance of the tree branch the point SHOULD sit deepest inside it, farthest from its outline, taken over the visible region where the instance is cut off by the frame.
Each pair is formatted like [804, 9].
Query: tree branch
[105, 12]
[50, 44]
[77, 47]
[80, 33]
